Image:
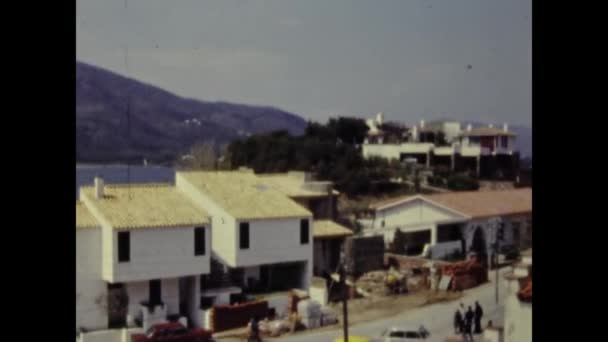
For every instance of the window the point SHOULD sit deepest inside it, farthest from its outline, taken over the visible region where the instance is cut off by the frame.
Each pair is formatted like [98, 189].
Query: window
[516, 231]
[124, 244]
[504, 141]
[199, 241]
[382, 223]
[244, 235]
[304, 232]
[155, 291]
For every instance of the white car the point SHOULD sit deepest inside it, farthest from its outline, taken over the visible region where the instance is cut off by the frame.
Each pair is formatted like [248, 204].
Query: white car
[405, 334]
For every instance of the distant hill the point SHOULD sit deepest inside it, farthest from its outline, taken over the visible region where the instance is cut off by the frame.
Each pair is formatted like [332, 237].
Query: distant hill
[161, 125]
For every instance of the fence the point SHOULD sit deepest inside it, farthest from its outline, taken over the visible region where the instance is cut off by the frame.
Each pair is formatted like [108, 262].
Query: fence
[226, 317]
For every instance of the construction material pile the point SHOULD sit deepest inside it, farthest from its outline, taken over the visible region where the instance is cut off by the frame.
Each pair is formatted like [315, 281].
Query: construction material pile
[465, 274]
[525, 294]
[310, 313]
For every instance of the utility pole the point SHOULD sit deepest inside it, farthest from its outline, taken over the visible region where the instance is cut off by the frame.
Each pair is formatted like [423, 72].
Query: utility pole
[499, 236]
[344, 295]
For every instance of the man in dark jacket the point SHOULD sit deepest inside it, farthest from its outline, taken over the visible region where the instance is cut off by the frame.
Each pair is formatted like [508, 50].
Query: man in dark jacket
[468, 324]
[458, 324]
[478, 316]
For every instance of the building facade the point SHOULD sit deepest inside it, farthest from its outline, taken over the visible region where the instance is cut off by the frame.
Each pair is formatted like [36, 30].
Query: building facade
[439, 224]
[486, 152]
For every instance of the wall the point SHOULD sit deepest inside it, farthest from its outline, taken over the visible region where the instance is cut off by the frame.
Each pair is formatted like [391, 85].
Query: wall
[393, 151]
[388, 151]
[89, 285]
[274, 241]
[415, 212]
[139, 291]
[224, 239]
[160, 253]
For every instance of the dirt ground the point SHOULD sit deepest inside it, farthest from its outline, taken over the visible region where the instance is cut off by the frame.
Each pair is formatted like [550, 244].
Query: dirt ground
[368, 309]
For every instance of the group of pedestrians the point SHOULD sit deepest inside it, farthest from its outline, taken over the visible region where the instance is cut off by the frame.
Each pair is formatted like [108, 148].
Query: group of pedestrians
[467, 322]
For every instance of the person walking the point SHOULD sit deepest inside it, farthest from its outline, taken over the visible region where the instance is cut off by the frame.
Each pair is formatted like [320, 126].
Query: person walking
[458, 325]
[478, 316]
[468, 324]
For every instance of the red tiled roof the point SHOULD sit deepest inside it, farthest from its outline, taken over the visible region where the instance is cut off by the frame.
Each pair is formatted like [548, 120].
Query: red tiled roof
[478, 204]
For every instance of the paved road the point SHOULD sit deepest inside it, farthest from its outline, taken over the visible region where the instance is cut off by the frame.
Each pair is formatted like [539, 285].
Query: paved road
[437, 318]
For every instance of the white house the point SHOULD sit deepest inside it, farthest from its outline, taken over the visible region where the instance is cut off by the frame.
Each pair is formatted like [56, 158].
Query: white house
[141, 250]
[464, 221]
[259, 233]
[485, 151]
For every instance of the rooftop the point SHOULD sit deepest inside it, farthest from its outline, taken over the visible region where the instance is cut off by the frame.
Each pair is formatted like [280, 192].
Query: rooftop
[486, 131]
[476, 204]
[84, 219]
[292, 184]
[329, 229]
[244, 195]
[144, 206]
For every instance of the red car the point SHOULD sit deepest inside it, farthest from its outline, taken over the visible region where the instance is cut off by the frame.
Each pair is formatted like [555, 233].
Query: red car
[172, 332]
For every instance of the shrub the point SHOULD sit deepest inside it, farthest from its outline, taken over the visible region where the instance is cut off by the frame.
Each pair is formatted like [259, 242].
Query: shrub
[462, 183]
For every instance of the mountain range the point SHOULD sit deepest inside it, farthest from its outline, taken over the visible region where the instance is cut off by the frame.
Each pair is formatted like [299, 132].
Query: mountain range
[121, 119]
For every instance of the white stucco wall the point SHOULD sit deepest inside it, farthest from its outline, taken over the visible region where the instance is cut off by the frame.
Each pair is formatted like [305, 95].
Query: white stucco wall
[393, 151]
[89, 285]
[274, 241]
[139, 291]
[224, 242]
[159, 253]
[388, 151]
[413, 213]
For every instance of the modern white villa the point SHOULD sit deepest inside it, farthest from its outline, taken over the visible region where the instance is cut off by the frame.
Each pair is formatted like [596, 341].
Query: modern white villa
[146, 252]
[485, 151]
[439, 224]
[141, 250]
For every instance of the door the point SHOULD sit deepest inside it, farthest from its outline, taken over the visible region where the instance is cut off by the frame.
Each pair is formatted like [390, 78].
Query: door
[155, 295]
[117, 305]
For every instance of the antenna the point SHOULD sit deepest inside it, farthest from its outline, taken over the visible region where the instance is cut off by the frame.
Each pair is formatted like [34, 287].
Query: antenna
[128, 115]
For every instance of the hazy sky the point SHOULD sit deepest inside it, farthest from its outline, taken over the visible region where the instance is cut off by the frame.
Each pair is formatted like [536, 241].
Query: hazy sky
[321, 58]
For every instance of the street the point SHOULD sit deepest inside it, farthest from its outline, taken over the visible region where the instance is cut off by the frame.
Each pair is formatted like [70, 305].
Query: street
[437, 318]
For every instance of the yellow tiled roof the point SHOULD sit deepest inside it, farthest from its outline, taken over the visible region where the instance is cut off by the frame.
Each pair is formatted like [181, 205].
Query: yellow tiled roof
[290, 185]
[145, 206]
[329, 228]
[84, 219]
[244, 195]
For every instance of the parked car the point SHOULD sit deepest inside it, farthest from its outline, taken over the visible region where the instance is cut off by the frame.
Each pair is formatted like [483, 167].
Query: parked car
[173, 332]
[405, 334]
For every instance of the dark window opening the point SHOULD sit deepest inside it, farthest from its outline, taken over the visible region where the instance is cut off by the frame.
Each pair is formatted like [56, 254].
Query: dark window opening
[304, 232]
[206, 303]
[244, 235]
[155, 293]
[199, 241]
[124, 244]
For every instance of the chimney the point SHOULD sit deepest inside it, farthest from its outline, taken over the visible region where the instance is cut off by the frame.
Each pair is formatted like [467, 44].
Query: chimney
[505, 127]
[469, 127]
[421, 123]
[379, 118]
[98, 187]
